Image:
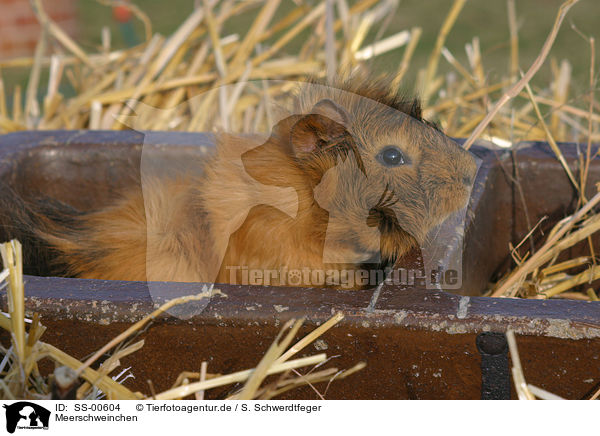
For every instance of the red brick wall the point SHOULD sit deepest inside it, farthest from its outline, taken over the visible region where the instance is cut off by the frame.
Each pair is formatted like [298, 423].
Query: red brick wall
[19, 29]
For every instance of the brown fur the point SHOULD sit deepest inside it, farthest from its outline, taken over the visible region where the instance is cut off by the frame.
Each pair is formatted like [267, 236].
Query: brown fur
[277, 203]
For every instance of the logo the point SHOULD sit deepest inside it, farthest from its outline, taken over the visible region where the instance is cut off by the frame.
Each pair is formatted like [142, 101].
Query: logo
[26, 415]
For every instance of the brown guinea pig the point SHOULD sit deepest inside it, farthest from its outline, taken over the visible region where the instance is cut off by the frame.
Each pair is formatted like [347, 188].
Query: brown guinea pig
[352, 180]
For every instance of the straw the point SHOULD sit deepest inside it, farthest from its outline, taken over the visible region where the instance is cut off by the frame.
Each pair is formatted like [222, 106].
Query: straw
[545, 252]
[521, 385]
[432, 65]
[517, 87]
[514, 39]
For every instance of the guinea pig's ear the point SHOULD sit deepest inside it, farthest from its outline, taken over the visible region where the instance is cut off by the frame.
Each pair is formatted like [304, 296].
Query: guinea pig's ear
[331, 110]
[319, 129]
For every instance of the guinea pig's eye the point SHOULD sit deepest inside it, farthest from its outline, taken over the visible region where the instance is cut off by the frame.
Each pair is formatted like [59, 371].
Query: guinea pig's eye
[391, 156]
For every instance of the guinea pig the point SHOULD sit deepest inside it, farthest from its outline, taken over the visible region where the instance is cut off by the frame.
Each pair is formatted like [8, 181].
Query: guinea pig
[352, 179]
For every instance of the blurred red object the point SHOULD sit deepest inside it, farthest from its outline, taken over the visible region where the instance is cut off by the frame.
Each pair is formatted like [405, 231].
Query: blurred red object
[122, 13]
[20, 30]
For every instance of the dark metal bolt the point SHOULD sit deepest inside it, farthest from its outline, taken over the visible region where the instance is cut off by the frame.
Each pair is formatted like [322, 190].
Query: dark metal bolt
[491, 343]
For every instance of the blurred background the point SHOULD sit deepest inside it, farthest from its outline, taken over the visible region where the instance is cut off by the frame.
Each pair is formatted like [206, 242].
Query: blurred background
[485, 19]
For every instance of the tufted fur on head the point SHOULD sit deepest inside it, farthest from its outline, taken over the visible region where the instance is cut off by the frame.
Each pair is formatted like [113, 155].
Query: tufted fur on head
[355, 87]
